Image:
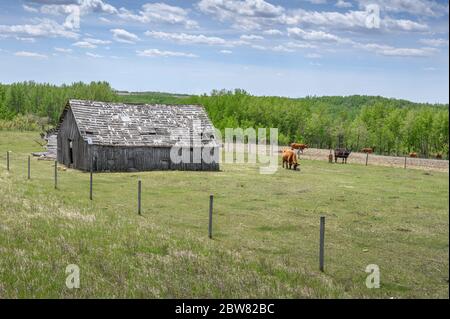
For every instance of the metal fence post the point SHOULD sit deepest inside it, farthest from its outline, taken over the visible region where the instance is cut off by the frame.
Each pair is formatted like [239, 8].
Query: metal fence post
[139, 196]
[56, 174]
[211, 201]
[29, 167]
[367, 158]
[7, 160]
[90, 181]
[322, 243]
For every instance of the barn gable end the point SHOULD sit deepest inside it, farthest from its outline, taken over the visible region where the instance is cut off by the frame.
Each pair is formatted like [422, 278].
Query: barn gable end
[72, 149]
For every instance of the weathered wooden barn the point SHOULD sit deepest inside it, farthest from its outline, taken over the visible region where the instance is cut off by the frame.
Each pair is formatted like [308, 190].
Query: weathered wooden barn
[132, 137]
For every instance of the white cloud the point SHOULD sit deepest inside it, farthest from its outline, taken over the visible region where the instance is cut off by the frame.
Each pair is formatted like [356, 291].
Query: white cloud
[226, 51]
[25, 39]
[301, 45]
[403, 25]
[435, 42]
[97, 41]
[381, 49]
[414, 7]
[350, 20]
[259, 47]
[186, 38]
[97, 6]
[343, 4]
[406, 52]
[44, 28]
[245, 14]
[83, 6]
[282, 48]
[124, 36]
[105, 20]
[273, 32]
[84, 45]
[329, 19]
[29, 9]
[159, 12]
[314, 35]
[317, 1]
[28, 54]
[248, 8]
[93, 55]
[63, 50]
[251, 37]
[387, 50]
[159, 53]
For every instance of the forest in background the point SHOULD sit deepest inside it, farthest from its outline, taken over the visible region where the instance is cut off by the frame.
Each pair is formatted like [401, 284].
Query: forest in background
[390, 126]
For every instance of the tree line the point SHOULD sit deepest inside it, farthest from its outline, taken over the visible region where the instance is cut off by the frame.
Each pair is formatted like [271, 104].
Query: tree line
[389, 126]
[28, 105]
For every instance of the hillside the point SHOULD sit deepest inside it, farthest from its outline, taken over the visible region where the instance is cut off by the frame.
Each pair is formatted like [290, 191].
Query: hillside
[390, 126]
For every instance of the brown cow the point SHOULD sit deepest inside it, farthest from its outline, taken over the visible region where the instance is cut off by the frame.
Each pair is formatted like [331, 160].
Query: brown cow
[367, 150]
[438, 156]
[299, 147]
[290, 159]
[413, 154]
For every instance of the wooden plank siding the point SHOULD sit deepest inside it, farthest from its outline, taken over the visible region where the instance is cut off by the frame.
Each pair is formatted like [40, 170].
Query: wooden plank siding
[80, 152]
[120, 159]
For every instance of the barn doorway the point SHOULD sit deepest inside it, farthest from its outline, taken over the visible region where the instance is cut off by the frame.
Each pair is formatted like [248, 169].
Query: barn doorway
[70, 152]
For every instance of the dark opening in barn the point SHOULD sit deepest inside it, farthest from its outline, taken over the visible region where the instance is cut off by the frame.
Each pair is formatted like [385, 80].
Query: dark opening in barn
[136, 137]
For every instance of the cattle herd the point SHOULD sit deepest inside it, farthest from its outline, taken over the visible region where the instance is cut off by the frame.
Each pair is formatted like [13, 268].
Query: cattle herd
[290, 155]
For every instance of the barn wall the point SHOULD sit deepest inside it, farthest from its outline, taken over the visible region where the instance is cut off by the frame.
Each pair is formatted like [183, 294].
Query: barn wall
[69, 131]
[120, 159]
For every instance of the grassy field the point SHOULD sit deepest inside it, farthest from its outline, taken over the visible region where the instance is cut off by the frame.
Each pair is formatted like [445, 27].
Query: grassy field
[266, 231]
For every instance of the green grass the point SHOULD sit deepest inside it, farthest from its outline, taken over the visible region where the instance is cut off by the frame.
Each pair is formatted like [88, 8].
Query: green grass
[266, 231]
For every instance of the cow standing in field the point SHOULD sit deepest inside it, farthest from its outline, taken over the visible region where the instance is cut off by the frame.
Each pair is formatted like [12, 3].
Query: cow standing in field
[289, 159]
[438, 156]
[413, 154]
[341, 153]
[299, 147]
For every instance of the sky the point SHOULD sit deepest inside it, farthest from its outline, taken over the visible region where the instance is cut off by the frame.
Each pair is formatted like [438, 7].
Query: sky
[295, 48]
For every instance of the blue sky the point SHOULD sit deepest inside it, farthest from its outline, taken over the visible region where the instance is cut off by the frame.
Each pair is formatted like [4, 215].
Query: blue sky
[393, 48]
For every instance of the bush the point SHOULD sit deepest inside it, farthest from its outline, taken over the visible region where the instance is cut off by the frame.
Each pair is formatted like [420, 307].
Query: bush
[28, 122]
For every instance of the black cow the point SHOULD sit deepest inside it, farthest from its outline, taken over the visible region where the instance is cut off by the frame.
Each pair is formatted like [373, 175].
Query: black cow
[341, 153]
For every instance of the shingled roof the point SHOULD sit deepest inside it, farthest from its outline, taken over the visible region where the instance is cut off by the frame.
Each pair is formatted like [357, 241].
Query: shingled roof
[120, 124]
